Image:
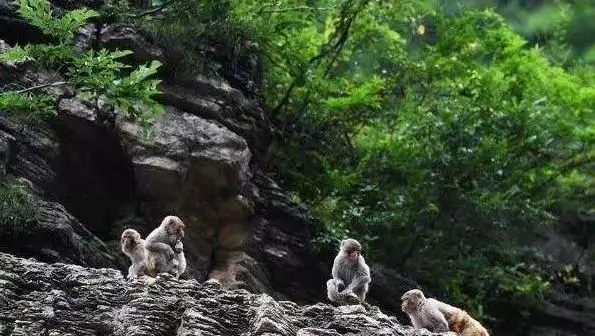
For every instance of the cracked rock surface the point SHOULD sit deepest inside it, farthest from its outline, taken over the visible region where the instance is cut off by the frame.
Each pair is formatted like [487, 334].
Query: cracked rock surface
[63, 299]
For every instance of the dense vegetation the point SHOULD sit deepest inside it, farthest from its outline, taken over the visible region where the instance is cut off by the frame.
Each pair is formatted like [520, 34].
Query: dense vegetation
[442, 134]
[443, 137]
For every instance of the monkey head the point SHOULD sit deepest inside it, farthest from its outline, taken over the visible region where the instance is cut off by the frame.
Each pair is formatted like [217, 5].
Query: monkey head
[130, 238]
[173, 226]
[412, 300]
[351, 248]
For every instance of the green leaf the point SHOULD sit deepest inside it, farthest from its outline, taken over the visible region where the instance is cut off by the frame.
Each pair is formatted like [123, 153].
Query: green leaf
[15, 55]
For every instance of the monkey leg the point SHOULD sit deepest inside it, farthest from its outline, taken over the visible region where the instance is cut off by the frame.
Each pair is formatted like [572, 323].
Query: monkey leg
[131, 273]
[361, 291]
[346, 297]
[331, 291]
[350, 298]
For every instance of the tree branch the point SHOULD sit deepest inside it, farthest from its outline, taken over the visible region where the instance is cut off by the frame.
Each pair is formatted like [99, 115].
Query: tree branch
[297, 8]
[153, 10]
[334, 46]
[37, 87]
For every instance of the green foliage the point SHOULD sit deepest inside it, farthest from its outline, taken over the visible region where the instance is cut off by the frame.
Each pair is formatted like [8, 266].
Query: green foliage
[97, 76]
[564, 28]
[441, 138]
[40, 14]
[14, 55]
[51, 54]
[25, 106]
[18, 211]
[184, 28]
[131, 94]
[442, 134]
[139, 89]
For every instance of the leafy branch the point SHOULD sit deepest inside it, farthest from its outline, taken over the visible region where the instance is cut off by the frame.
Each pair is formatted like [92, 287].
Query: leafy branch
[40, 14]
[347, 16]
[95, 75]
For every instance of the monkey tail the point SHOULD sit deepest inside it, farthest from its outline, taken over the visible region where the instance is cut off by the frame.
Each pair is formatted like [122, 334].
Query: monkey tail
[468, 326]
[151, 267]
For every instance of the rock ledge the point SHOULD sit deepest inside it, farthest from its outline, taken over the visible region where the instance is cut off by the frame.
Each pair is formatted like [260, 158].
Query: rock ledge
[63, 299]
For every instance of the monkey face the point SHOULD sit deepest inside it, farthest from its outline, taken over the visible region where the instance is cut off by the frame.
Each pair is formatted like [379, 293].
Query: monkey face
[352, 248]
[411, 300]
[353, 254]
[175, 227]
[406, 305]
[130, 239]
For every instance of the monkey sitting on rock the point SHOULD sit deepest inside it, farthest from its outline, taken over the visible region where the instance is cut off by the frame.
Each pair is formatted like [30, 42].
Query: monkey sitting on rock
[351, 275]
[165, 246]
[134, 247]
[161, 252]
[437, 316]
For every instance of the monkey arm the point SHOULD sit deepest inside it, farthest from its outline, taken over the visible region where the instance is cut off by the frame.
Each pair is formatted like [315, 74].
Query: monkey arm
[131, 273]
[162, 248]
[358, 282]
[179, 247]
[361, 278]
[337, 274]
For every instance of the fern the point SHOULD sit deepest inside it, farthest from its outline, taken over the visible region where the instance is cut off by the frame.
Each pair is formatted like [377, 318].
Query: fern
[14, 55]
[76, 18]
[39, 13]
[51, 54]
[25, 105]
[95, 75]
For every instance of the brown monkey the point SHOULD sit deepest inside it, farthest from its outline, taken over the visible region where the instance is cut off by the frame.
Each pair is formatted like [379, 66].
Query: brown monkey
[165, 246]
[351, 275]
[437, 316]
[134, 247]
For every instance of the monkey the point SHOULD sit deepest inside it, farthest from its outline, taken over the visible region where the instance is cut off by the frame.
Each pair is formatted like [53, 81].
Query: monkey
[134, 247]
[165, 246]
[437, 316]
[351, 275]
[179, 258]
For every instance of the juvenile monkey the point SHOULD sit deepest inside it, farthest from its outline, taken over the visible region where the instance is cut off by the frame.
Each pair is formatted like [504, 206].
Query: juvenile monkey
[165, 246]
[179, 258]
[134, 247]
[437, 316]
[351, 275]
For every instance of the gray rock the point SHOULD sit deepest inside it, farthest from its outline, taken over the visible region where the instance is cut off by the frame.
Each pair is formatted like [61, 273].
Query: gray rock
[198, 168]
[125, 37]
[61, 299]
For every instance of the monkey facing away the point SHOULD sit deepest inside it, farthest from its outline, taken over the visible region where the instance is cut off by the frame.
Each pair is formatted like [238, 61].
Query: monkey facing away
[351, 275]
[165, 246]
[134, 247]
[437, 316]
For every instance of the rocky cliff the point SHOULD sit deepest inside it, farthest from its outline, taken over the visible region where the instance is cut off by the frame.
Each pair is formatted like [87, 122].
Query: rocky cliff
[94, 174]
[62, 299]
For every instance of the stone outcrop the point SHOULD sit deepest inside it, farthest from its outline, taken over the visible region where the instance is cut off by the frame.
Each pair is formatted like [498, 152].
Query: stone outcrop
[61, 299]
[104, 174]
